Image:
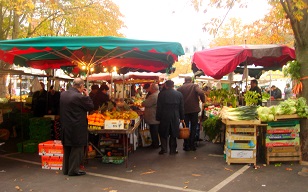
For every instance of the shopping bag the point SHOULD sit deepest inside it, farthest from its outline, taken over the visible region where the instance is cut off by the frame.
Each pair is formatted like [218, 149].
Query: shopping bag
[145, 137]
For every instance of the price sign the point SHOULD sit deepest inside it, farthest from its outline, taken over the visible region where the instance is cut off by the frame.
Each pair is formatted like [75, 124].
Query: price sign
[114, 124]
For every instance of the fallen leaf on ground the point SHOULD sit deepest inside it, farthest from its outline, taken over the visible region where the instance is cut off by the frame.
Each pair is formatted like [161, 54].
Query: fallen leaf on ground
[196, 175]
[185, 187]
[289, 169]
[148, 172]
[195, 157]
[278, 164]
[109, 188]
[257, 167]
[186, 182]
[113, 190]
[227, 169]
[129, 171]
[17, 187]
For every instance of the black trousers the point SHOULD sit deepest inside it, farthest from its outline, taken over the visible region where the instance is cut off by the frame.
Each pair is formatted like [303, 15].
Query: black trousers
[172, 142]
[154, 134]
[72, 159]
[191, 121]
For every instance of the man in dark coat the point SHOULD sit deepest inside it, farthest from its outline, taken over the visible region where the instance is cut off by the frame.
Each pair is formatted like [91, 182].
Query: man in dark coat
[170, 111]
[192, 95]
[74, 105]
[39, 102]
[53, 101]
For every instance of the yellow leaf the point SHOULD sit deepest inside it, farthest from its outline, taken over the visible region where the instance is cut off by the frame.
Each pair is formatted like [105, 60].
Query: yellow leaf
[227, 169]
[196, 175]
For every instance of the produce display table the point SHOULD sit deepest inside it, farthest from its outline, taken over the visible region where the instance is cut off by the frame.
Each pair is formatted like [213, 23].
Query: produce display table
[125, 136]
[241, 141]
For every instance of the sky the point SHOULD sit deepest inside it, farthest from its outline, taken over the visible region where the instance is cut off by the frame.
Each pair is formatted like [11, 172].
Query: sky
[176, 20]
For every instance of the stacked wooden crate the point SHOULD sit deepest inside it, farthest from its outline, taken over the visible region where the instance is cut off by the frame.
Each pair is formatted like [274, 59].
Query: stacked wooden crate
[283, 141]
[241, 141]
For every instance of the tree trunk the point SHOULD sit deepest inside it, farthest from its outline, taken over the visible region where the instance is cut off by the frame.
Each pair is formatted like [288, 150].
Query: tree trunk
[15, 26]
[302, 58]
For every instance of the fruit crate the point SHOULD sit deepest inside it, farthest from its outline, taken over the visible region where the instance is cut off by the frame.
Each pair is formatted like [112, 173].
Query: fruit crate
[291, 153]
[29, 146]
[241, 141]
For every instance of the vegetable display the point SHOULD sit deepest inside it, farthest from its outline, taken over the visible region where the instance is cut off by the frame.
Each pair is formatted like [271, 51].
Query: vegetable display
[252, 98]
[288, 107]
[239, 113]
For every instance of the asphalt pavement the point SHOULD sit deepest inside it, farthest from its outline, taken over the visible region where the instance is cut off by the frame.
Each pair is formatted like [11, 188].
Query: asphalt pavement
[201, 170]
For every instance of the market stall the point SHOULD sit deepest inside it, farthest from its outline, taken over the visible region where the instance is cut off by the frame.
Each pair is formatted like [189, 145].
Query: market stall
[269, 134]
[87, 55]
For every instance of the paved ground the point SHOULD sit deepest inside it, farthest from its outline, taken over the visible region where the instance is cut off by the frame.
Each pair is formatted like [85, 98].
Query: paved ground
[202, 170]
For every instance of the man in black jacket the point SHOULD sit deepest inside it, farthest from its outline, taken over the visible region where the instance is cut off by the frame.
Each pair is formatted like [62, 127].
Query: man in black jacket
[170, 111]
[74, 105]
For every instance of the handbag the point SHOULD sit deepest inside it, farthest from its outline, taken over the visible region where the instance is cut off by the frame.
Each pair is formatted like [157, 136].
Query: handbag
[184, 132]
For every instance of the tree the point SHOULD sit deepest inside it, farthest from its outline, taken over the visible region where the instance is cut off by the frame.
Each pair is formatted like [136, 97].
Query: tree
[183, 66]
[295, 13]
[31, 18]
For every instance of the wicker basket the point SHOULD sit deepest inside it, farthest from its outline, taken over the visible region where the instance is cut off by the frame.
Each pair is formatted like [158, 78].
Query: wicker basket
[184, 132]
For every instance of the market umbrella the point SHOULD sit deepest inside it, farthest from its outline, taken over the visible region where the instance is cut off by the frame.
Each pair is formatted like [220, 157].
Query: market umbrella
[220, 61]
[85, 51]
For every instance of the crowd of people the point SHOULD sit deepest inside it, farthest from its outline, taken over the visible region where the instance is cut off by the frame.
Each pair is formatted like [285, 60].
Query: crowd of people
[165, 108]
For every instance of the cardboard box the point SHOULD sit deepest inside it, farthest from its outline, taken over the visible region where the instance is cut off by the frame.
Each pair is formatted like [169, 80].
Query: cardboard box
[52, 162]
[51, 148]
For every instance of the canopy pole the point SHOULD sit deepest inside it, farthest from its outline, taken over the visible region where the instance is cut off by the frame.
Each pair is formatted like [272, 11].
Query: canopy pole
[270, 87]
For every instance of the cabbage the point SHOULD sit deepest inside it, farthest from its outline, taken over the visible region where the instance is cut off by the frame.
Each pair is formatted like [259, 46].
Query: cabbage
[263, 117]
[271, 117]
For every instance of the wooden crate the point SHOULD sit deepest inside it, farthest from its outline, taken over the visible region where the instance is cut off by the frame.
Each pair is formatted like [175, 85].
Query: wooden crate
[291, 153]
[282, 117]
[239, 135]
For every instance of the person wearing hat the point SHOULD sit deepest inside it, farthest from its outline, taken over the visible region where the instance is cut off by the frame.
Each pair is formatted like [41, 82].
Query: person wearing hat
[170, 112]
[74, 105]
[192, 95]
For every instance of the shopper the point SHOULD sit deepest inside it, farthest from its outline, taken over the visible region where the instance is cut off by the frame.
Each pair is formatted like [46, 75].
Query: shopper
[74, 105]
[170, 111]
[276, 92]
[150, 105]
[53, 101]
[254, 87]
[39, 102]
[192, 95]
[146, 87]
[287, 91]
